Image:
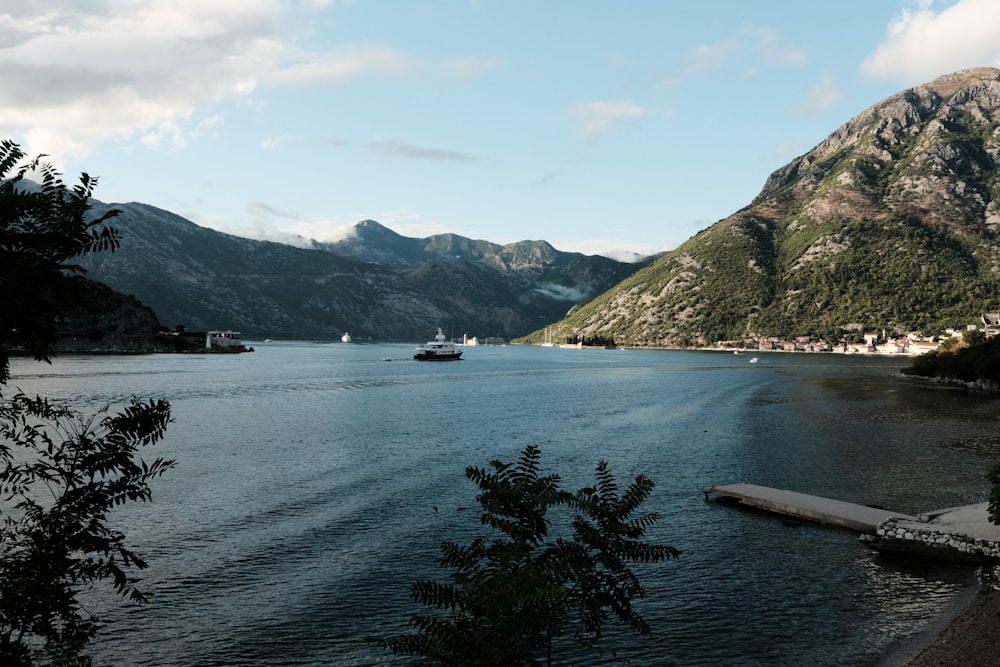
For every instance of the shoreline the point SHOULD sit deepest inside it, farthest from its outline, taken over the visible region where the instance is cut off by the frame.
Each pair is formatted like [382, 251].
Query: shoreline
[966, 634]
[904, 651]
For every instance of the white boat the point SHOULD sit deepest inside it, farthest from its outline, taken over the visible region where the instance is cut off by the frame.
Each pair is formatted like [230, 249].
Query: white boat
[548, 339]
[346, 338]
[439, 349]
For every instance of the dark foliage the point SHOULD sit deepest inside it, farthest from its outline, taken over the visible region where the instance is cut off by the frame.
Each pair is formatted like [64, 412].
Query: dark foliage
[994, 501]
[61, 474]
[517, 587]
[41, 229]
[968, 362]
[591, 341]
[60, 477]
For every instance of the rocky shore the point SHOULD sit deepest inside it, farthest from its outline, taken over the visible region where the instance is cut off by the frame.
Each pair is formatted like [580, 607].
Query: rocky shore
[962, 535]
[968, 634]
[969, 639]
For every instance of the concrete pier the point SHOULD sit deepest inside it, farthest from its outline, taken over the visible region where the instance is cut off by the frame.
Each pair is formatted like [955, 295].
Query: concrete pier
[804, 506]
[958, 534]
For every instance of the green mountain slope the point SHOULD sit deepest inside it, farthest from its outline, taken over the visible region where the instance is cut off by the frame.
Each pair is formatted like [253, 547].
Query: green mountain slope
[890, 223]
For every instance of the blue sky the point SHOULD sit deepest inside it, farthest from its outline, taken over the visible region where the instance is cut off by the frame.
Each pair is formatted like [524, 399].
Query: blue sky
[601, 127]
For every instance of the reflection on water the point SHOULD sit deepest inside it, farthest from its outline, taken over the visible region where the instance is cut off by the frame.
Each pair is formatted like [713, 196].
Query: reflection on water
[308, 475]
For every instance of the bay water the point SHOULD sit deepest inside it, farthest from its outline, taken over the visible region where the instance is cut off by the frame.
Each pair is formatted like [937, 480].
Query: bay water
[315, 482]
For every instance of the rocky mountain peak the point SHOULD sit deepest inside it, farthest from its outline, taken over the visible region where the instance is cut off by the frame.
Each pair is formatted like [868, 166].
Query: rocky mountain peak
[948, 85]
[930, 151]
[372, 229]
[890, 223]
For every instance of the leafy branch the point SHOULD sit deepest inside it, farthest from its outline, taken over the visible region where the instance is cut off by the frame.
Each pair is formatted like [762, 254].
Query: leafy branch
[517, 587]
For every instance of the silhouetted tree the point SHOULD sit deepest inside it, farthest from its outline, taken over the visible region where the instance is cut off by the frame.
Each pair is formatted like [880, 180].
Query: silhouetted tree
[43, 226]
[61, 473]
[516, 588]
[60, 477]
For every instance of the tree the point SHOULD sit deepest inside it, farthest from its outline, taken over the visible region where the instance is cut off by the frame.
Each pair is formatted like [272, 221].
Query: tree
[993, 507]
[61, 474]
[42, 227]
[973, 337]
[60, 477]
[517, 587]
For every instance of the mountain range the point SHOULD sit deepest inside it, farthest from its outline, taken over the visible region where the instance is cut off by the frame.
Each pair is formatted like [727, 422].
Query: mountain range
[376, 284]
[889, 224]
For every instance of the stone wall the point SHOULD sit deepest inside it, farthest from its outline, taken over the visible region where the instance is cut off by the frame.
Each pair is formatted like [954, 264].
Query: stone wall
[894, 536]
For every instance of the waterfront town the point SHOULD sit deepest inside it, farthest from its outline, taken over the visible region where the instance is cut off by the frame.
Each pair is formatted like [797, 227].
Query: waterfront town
[875, 342]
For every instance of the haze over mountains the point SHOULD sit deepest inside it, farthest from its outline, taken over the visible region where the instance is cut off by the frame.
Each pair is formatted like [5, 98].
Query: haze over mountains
[376, 284]
[889, 224]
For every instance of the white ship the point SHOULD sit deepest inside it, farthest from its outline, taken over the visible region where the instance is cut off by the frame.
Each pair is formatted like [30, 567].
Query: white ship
[439, 349]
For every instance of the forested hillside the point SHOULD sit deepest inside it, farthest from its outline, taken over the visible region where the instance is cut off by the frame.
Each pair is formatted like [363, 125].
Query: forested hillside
[890, 223]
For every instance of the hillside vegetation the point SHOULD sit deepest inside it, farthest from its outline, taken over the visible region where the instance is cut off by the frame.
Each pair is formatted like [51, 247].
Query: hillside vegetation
[888, 224]
[972, 359]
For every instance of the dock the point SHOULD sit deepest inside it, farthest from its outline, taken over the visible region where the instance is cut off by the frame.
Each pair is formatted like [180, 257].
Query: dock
[821, 510]
[963, 535]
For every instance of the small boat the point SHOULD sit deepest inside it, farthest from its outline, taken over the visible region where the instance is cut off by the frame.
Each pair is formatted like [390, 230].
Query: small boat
[548, 339]
[439, 349]
[346, 338]
[754, 360]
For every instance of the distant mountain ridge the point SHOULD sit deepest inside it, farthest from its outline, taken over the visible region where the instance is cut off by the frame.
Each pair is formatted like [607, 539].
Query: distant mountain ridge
[376, 285]
[889, 224]
[373, 242]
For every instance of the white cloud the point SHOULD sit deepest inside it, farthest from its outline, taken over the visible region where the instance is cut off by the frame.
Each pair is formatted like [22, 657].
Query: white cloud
[562, 292]
[273, 142]
[766, 42]
[822, 96]
[343, 64]
[269, 222]
[469, 68]
[712, 56]
[922, 44]
[403, 149]
[752, 44]
[317, 4]
[613, 248]
[266, 225]
[166, 132]
[602, 116]
[74, 73]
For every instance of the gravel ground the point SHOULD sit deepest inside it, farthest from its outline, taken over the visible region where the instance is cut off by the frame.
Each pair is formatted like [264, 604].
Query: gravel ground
[970, 639]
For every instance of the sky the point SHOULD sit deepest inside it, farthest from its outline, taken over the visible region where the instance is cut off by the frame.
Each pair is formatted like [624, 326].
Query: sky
[604, 127]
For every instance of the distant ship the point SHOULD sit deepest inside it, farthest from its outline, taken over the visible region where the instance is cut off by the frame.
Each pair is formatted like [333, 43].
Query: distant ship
[346, 338]
[548, 339]
[438, 349]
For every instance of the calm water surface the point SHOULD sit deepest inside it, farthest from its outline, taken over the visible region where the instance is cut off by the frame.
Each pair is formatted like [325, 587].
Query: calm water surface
[303, 501]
